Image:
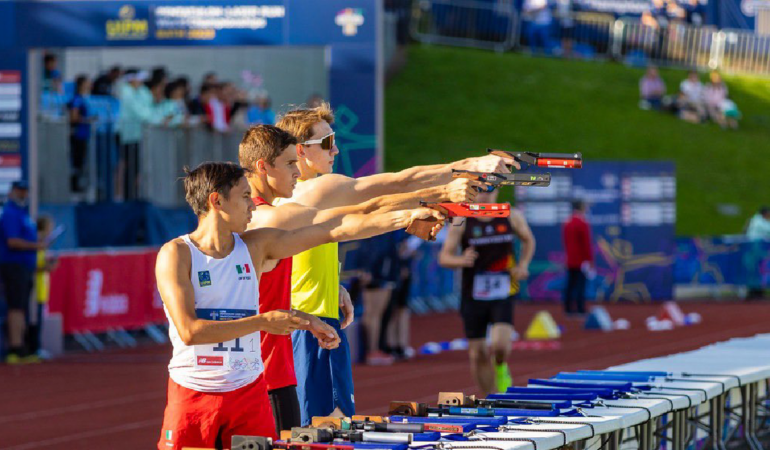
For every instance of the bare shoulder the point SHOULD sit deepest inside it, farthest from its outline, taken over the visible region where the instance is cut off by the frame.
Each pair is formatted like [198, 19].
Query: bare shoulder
[173, 252]
[311, 192]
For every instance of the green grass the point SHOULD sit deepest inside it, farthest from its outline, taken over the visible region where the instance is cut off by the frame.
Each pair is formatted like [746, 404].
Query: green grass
[449, 104]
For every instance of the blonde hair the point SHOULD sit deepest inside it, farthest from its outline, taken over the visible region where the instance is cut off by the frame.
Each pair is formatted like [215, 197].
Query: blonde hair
[299, 122]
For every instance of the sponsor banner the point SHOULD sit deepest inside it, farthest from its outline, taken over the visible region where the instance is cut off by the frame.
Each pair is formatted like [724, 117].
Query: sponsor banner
[99, 291]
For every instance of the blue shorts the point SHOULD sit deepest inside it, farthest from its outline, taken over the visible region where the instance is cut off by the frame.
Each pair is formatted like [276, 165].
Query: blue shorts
[324, 377]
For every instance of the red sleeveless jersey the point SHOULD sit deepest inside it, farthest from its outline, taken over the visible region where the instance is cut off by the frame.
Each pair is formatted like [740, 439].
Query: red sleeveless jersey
[275, 293]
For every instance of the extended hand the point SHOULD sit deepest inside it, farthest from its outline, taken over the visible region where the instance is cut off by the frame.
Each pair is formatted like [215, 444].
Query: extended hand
[462, 190]
[282, 322]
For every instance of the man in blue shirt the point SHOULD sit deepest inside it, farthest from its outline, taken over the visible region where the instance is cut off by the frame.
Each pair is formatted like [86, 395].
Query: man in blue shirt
[18, 250]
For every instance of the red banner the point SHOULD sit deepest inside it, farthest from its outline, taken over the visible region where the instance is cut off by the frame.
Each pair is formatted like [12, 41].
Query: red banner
[98, 291]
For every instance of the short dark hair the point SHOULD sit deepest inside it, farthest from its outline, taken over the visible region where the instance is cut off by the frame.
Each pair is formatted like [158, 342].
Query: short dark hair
[49, 57]
[265, 142]
[765, 210]
[80, 80]
[207, 178]
[206, 88]
[578, 205]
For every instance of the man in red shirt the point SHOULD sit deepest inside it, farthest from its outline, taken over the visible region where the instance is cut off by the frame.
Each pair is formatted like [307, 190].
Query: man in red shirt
[580, 259]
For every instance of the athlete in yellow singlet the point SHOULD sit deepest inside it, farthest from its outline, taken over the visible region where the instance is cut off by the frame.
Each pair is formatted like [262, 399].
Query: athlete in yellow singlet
[324, 378]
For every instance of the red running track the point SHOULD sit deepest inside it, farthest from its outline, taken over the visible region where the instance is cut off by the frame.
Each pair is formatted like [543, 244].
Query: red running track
[115, 400]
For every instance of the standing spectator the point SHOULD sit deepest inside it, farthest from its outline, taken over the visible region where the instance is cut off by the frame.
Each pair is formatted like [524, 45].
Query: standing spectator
[210, 78]
[184, 83]
[217, 112]
[80, 132]
[652, 89]
[172, 107]
[51, 74]
[564, 12]
[694, 12]
[44, 266]
[260, 113]
[18, 246]
[538, 16]
[758, 232]
[691, 98]
[135, 110]
[396, 321]
[197, 106]
[580, 259]
[159, 75]
[379, 261]
[105, 83]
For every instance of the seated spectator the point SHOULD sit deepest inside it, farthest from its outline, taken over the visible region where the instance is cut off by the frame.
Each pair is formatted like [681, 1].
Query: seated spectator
[538, 16]
[690, 100]
[757, 232]
[51, 75]
[652, 89]
[260, 113]
[719, 107]
[105, 83]
[80, 132]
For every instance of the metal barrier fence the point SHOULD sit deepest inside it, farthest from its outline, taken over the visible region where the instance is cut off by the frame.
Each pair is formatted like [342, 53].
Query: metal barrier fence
[744, 52]
[466, 23]
[496, 26]
[674, 45]
[164, 153]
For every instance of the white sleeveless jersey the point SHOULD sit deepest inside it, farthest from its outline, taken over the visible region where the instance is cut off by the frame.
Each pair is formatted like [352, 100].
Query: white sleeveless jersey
[225, 289]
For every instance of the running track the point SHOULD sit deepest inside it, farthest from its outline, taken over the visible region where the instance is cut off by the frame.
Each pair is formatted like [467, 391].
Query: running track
[115, 400]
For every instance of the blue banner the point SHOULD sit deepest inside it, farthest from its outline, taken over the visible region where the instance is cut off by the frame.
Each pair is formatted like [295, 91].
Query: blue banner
[632, 215]
[346, 28]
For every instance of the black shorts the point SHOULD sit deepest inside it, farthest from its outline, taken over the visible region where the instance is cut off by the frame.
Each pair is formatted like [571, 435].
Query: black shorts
[479, 314]
[285, 408]
[17, 283]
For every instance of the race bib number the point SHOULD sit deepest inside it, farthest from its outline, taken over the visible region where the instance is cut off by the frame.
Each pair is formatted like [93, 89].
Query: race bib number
[491, 286]
[239, 354]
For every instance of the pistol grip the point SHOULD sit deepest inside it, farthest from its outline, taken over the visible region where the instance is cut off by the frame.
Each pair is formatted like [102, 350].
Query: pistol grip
[422, 228]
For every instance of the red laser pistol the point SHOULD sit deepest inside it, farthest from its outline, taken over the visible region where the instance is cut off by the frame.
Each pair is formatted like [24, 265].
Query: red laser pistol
[421, 228]
[553, 160]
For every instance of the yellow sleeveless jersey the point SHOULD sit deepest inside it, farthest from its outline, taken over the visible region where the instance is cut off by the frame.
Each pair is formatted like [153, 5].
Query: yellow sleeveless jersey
[315, 279]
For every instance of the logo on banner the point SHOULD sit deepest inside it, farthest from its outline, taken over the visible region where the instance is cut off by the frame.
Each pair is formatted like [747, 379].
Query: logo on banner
[350, 19]
[99, 304]
[750, 7]
[204, 278]
[127, 26]
[211, 360]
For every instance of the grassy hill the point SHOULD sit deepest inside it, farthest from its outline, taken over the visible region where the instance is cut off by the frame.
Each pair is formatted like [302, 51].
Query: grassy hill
[452, 103]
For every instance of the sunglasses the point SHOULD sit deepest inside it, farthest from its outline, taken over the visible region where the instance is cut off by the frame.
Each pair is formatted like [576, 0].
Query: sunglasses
[327, 142]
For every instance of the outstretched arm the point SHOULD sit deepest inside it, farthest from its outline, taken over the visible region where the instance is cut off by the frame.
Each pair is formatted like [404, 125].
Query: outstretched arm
[331, 191]
[172, 271]
[291, 216]
[269, 243]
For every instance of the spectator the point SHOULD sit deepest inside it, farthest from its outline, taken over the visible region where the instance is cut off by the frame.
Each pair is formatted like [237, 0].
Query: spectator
[719, 107]
[314, 101]
[80, 132]
[217, 111]
[564, 13]
[395, 324]
[105, 83]
[210, 78]
[18, 246]
[652, 89]
[379, 262]
[162, 112]
[136, 102]
[184, 82]
[714, 94]
[580, 260]
[159, 75]
[172, 106]
[197, 107]
[44, 266]
[538, 16]
[758, 232]
[51, 75]
[690, 101]
[260, 112]
[694, 12]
